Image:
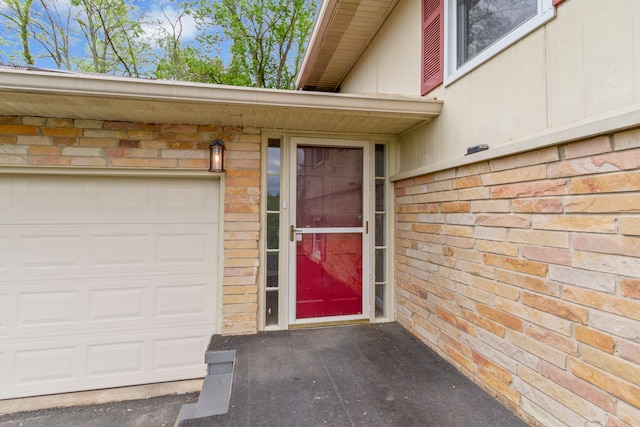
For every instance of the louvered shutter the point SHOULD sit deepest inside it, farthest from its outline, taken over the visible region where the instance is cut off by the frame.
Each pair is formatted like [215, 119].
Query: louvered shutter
[432, 44]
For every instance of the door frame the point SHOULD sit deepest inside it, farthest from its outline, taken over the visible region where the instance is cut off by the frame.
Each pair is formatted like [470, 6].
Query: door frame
[290, 219]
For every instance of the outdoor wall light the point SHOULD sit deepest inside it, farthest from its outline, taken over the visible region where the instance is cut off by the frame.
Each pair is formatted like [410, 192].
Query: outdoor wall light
[216, 156]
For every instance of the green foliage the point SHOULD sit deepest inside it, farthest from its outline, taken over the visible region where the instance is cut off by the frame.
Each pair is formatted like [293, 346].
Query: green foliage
[17, 16]
[51, 29]
[267, 37]
[187, 64]
[112, 36]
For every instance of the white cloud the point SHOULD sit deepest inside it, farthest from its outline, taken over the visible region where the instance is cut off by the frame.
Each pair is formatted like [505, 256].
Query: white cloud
[171, 20]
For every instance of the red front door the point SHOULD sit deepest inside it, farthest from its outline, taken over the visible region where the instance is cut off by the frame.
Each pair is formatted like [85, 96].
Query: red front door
[329, 231]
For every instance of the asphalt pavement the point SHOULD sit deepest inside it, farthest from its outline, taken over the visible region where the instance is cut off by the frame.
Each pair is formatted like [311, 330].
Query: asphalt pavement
[359, 375]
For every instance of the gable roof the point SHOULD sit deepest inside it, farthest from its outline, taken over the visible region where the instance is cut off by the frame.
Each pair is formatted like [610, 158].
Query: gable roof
[342, 32]
[100, 97]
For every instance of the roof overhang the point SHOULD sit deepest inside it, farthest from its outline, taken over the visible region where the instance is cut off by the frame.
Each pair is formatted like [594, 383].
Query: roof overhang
[100, 97]
[342, 32]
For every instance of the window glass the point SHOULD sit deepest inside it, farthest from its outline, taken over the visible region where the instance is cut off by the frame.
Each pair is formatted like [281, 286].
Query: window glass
[381, 255]
[380, 196]
[481, 22]
[273, 193]
[477, 30]
[329, 188]
[380, 298]
[380, 232]
[273, 231]
[272, 270]
[380, 159]
[273, 156]
[381, 225]
[271, 308]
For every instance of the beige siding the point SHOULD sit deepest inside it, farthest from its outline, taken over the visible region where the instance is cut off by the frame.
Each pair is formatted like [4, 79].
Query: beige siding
[391, 64]
[581, 65]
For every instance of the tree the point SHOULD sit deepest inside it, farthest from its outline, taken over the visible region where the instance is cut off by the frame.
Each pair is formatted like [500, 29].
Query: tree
[267, 37]
[245, 42]
[54, 31]
[179, 61]
[18, 17]
[172, 64]
[112, 37]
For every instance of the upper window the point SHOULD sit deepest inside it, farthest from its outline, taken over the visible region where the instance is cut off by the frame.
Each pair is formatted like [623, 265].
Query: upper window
[480, 23]
[476, 30]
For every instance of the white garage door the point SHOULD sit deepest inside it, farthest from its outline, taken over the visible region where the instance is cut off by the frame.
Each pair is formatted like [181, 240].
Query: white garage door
[105, 281]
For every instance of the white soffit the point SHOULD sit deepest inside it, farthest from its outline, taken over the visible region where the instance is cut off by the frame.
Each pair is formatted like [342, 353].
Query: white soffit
[100, 97]
[343, 30]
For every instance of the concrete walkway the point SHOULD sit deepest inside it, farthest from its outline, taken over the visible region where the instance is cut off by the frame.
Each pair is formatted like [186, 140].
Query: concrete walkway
[362, 375]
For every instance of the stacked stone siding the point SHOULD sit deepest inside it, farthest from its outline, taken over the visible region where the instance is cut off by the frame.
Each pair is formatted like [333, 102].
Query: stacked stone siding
[241, 234]
[40, 141]
[524, 272]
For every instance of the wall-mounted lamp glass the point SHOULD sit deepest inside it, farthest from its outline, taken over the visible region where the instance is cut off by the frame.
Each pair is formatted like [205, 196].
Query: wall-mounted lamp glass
[216, 156]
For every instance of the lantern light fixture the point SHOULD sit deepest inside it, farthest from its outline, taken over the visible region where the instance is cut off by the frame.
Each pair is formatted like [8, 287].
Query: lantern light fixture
[216, 156]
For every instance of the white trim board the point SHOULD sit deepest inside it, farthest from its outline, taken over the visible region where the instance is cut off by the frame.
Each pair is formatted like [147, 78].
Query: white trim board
[611, 122]
[123, 172]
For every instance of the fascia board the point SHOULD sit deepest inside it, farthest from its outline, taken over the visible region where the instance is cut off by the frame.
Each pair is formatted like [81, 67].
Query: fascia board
[132, 88]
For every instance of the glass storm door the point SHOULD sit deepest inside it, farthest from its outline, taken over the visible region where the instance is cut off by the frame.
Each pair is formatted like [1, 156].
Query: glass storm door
[328, 230]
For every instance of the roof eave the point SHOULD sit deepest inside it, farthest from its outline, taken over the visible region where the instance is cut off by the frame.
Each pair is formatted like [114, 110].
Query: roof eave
[54, 86]
[342, 32]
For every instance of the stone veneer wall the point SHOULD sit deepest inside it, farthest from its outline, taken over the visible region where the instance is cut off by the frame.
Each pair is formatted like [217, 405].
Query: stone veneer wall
[39, 141]
[524, 272]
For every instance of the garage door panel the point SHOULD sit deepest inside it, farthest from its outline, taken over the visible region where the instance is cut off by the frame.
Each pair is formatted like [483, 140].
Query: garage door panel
[65, 196]
[4, 372]
[6, 196]
[35, 199]
[176, 199]
[4, 313]
[4, 252]
[120, 303]
[50, 251]
[86, 363]
[116, 359]
[121, 249]
[178, 353]
[80, 249]
[181, 301]
[185, 248]
[116, 197]
[113, 280]
[48, 309]
[45, 366]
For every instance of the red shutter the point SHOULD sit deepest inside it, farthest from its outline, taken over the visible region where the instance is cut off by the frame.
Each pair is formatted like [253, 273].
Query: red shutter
[432, 44]
[557, 2]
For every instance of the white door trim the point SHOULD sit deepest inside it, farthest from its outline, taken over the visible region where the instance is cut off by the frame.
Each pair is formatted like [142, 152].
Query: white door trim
[366, 235]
